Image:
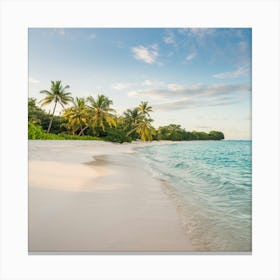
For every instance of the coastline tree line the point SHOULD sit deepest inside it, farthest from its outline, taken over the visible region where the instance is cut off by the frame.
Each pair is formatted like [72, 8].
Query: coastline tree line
[94, 119]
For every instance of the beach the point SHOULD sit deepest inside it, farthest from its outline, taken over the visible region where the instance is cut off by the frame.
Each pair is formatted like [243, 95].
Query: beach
[95, 196]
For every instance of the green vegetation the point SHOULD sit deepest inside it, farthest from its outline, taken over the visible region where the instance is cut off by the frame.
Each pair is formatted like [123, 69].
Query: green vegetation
[36, 132]
[57, 94]
[100, 115]
[174, 132]
[140, 123]
[94, 119]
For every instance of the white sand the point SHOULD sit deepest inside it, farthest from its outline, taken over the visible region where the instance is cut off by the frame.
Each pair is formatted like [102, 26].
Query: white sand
[110, 205]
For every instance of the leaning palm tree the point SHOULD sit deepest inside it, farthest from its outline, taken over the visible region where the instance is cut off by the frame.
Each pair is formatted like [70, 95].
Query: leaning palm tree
[56, 94]
[77, 116]
[131, 117]
[144, 129]
[101, 113]
[145, 109]
[139, 122]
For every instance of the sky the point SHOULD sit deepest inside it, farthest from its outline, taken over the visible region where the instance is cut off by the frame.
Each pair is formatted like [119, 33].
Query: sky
[199, 78]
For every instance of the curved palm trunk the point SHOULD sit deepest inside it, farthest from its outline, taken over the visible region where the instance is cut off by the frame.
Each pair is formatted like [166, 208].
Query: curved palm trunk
[82, 131]
[50, 124]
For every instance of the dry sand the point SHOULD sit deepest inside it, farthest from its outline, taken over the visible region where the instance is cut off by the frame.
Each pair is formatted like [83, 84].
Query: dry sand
[93, 196]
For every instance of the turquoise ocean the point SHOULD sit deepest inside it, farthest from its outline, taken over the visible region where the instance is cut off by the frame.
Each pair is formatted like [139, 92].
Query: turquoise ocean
[210, 183]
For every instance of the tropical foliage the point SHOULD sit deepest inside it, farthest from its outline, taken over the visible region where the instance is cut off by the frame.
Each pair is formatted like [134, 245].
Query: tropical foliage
[36, 132]
[139, 122]
[101, 114]
[57, 95]
[77, 117]
[175, 132]
[94, 119]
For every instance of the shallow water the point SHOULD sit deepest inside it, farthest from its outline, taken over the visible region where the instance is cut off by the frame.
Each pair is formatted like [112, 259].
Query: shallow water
[211, 184]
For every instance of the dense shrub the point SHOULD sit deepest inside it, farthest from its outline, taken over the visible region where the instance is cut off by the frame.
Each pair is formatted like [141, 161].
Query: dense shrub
[175, 132]
[216, 135]
[35, 131]
[115, 135]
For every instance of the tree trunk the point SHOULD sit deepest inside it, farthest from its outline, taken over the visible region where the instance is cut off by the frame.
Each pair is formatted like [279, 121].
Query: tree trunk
[50, 125]
[82, 131]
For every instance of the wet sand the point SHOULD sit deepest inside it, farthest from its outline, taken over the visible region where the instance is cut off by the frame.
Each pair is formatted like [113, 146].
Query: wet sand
[93, 196]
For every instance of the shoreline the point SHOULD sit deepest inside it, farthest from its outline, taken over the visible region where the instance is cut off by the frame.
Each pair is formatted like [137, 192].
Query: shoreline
[97, 196]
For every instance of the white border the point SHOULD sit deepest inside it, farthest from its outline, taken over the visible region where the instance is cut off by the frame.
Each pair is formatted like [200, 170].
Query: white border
[262, 16]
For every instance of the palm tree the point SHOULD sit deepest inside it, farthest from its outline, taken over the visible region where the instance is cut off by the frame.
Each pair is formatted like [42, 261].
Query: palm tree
[131, 117]
[57, 94]
[144, 129]
[77, 116]
[145, 109]
[100, 112]
[139, 121]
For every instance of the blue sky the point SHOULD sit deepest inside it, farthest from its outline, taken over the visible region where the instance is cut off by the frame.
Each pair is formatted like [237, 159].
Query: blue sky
[197, 77]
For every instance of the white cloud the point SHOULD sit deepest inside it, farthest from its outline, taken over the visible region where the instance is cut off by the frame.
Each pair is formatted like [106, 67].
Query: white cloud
[241, 71]
[175, 87]
[177, 91]
[33, 81]
[152, 94]
[147, 83]
[191, 56]
[133, 93]
[120, 86]
[185, 103]
[146, 54]
[153, 83]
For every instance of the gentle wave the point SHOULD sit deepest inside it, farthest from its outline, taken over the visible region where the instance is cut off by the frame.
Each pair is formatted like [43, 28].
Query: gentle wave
[210, 182]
